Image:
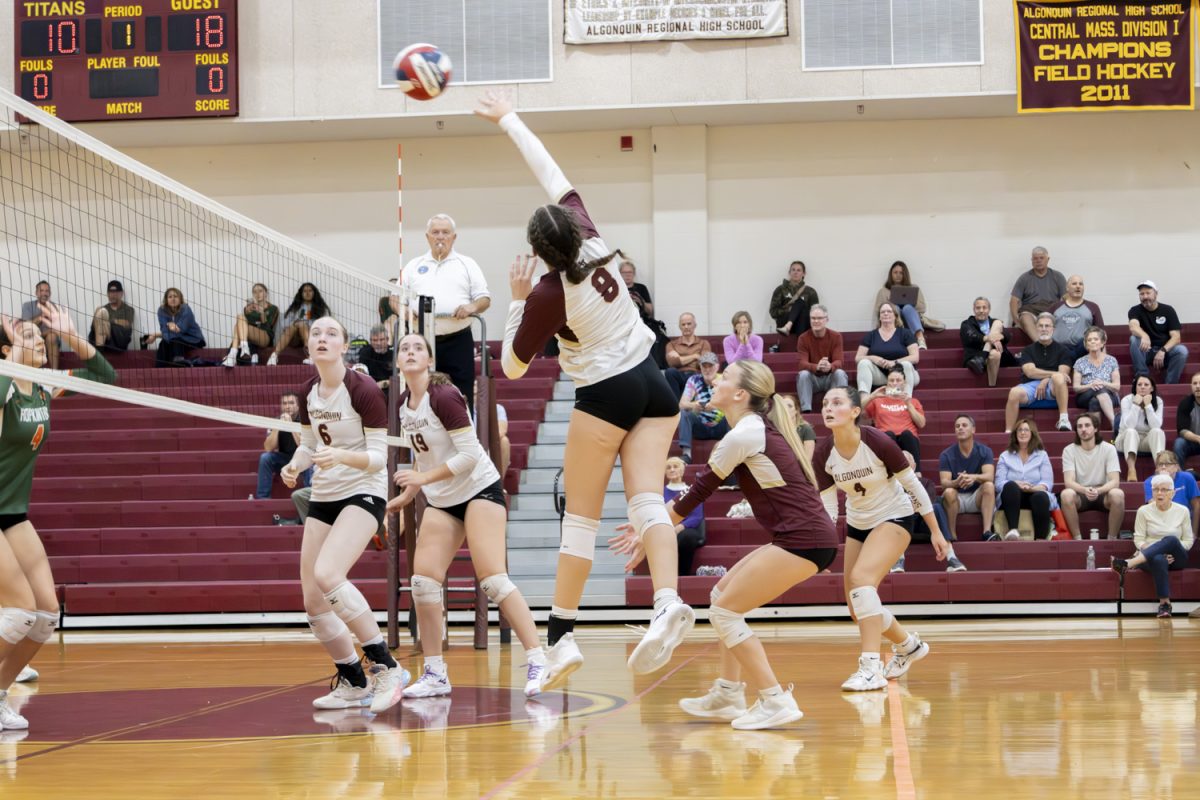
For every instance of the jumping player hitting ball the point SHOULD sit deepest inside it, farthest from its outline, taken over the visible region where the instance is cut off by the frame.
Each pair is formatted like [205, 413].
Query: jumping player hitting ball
[30, 606]
[880, 492]
[465, 500]
[623, 405]
[763, 451]
[343, 431]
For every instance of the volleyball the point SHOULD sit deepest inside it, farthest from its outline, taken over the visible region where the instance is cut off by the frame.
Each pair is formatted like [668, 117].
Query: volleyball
[422, 71]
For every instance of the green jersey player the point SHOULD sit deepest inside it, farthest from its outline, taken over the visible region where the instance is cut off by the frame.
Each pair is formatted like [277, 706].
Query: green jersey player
[28, 605]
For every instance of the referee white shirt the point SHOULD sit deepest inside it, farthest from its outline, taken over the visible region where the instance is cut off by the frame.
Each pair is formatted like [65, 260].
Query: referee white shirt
[450, 278]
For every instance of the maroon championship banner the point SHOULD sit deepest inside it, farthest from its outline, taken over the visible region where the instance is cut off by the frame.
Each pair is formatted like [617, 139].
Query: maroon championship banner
[1083, 55]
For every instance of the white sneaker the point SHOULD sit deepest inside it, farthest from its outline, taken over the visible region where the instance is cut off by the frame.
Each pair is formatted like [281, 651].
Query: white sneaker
[668, 628]
[535, 676]
[344, 695]
[898, 566]
[561, 660]
[389, 686]
[900, 662]
[1012, 535]
[954, 565]
[718, 703]
[770, 712]
[27, 674]
[868, 678]
[1064, 423]
[430, 684]
[230, 359]
[11, 720]
[273, 360]
[870, 706]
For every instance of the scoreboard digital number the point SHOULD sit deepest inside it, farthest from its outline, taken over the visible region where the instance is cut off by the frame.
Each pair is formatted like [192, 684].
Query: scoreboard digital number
[87, 60]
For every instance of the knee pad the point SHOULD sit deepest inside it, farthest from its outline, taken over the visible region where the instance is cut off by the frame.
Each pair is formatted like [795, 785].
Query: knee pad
[326, 627]
[646, 510]
[731, 627]
[426, 591]
[579, 536]
[15, 624]
[714, 595]
[44, 626]
[497, 587]
[348, 602]
[865, 602]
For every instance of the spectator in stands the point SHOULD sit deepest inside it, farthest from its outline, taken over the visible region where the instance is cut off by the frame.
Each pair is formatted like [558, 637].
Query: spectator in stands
[1187, 424]
[967, 472]
[1187, 492]
[1096, 378]
[921, 533]
[1035, 292]
[792, 301]
[697, 419]
[1073, 316]
[898, 290]
[820, 350]
[689, 533]
[278, 448]
[112, 323]
[683, 353]
[1162, 536]
[804, 431]
[985, 342]
[884, 348]
[306, 306]
[638, 292]
[459, 290]
[378, 357]
[1091, 478]
[898, 414]
[1024, 479]
[30, 312]
[178, 330]
[1156, 332]
[1046, 368]
[743, 343]
[1141, 424]
[389, 310]
[255, 326]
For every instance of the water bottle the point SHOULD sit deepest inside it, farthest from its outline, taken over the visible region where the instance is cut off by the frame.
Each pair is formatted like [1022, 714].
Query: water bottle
[1091, 558]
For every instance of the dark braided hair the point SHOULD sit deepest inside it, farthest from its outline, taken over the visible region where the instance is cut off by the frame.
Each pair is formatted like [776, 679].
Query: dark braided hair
[554, 234]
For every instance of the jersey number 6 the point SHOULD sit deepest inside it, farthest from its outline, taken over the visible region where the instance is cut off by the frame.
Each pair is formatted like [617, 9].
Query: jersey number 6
[323, 432]
[604, 283]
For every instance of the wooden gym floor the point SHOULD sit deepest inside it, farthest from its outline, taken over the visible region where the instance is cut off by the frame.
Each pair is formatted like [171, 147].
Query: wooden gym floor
[1085, 708]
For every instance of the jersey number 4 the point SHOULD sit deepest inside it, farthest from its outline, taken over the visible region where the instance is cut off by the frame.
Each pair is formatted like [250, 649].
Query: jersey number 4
[38, 436]
[862, 490]
[605, 284]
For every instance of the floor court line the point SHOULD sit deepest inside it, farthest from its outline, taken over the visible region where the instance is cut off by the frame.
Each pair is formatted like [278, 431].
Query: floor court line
[528, 769]
[901, 765]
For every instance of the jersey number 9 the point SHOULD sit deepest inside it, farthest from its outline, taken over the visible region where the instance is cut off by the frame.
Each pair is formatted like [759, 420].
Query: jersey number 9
[604, 283]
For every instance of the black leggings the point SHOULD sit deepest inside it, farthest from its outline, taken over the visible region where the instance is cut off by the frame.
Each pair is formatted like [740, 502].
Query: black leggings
[909, 443]
[690, 540]
[1012, 500]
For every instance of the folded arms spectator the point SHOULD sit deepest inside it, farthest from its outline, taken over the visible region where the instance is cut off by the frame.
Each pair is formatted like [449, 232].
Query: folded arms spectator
[985, 342]
[1156, 335]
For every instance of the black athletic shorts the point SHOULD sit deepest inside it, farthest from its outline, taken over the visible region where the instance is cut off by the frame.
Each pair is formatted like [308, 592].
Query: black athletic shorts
[327, 510]
[493, 493]
[11, 520]
[821, 556]
[624, 399]
[908, 523]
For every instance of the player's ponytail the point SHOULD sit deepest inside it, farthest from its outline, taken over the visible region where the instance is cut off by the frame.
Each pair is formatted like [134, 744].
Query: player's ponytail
[759, 382]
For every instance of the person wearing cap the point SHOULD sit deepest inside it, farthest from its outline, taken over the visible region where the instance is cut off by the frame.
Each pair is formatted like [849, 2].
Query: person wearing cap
[1156, 335]
[820, 351]
[1035, 292]
[112, 323]
[697, 419]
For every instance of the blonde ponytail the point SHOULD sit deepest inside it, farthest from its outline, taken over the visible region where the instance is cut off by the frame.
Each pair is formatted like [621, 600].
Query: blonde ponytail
[759, 382]
[779, 418]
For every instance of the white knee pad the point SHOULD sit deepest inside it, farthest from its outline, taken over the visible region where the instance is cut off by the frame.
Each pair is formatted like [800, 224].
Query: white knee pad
[326, 627]
[44, 627]
[579, 536]
[426, 591]
[646, 510]
[866, 603]
[348, 602]
[15, 624]
[497, 587]
[714, 595]
[731, 627]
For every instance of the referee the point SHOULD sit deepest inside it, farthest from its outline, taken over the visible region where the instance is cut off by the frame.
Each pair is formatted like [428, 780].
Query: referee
[456, 284]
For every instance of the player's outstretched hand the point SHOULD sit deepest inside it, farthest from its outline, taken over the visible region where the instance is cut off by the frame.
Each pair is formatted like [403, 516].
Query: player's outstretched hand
[288, 475]
[10, 327]
[493, 105]
[941, 547]
[327, 457]
[409, 477]
[57, 319]
[627, 542]
[404, 498]
[520, 276]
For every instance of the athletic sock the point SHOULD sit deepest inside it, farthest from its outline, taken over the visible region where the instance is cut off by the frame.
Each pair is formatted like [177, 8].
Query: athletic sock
[873, 656]
[774, 691]
[378, 653]
[665, 597]
[728, 686]
[436, 664]
[245, 348]
[908, 645]
[353, 673]
[536, 655]
[562, 622]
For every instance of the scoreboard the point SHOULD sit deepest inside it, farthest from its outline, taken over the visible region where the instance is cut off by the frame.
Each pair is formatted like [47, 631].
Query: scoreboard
[114, 59]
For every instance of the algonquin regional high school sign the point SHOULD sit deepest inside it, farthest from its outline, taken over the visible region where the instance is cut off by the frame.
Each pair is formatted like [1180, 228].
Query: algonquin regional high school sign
[1076, 55]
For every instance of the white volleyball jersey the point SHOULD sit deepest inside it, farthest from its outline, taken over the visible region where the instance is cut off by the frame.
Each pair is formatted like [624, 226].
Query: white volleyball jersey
[873, 493]
[600, 333]
[346, 419]
[439, 431]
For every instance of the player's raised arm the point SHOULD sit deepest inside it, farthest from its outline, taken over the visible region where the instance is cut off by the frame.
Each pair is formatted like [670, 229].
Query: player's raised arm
[496, 106]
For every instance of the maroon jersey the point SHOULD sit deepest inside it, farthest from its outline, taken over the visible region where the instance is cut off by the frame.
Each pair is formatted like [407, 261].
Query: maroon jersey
[780, 494]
